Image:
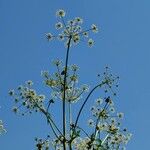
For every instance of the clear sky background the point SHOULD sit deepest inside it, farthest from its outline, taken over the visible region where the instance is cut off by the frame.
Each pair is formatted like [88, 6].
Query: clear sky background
[123, 44]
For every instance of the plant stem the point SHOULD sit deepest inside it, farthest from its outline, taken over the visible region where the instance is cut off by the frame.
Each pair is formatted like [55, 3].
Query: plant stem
[104, 139]
[64, 93]
[70, 145]
[70, 122]
[50, 121]
[84, 131]
[70, 118]
[85, 101]
[97, 121]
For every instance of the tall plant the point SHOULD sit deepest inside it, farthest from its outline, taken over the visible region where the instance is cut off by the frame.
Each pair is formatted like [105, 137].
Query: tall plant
[106, 132]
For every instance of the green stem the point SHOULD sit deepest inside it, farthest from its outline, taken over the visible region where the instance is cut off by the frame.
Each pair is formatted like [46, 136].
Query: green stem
[64, 93]
[84, 131]
[50, 121]
[104, 139]
[70, 117]
[70, 145]
[70, 122]
[79, 113]
[85, 101]
[97, 121]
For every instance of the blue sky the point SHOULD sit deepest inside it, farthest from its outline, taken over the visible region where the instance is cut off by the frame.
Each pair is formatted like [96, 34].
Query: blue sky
[123, 44]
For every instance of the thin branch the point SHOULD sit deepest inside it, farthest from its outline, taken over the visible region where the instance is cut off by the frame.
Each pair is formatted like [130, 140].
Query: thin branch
[97, 121]
[85, 101]
[83, 131]
[49, 118]
[104, 139]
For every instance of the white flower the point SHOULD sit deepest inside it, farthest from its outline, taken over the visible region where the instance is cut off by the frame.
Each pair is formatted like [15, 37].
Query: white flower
[85, 34]
[79, 20]
[58, 25]
[112, 110]
[120, 115]
[29, 82]
[99, 101]
[74, 67]
[60, 13]
[45, 74]
[15, 109]
[94, 28]
[49, 36]
[61, 37]
[57, 62]
[90, 42]
[90, 122]
[102, 126]
[76, 39]
[72, 31]
[113, 120]
[11, 92]
[85, 87]
[42, 97]
[71, 22]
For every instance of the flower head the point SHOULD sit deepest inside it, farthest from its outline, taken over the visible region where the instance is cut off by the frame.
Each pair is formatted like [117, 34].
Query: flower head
[72, 30]
[42, 143]
[99, 101]
[94, 28]
[58, 25]
[49, 36]
[60, 13]
[55, 82]
[11, 92]
[27, 98]
[120, 115]
[109, 81]
[90, 42]
[79, 20]
[107, 123]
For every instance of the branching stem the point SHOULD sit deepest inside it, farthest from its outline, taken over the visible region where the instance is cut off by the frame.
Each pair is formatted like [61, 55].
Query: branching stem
[85, 101]
[64, 93]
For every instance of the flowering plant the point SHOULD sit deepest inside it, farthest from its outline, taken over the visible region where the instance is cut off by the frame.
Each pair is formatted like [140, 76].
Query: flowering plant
[106, 132]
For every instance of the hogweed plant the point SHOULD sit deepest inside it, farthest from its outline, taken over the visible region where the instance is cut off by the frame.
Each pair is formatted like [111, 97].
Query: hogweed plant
[106, 132]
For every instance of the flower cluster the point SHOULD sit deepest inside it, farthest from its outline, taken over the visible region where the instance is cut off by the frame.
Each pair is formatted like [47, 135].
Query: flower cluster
[109, 81]
[2, 129]
[27, 97]
[81, 143]
[56, 83]
[42, 144]
[107, 126]
[72, 30]
[57, 144]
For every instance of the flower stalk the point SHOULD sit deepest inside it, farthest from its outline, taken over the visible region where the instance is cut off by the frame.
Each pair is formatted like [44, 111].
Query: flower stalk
[64, 96]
